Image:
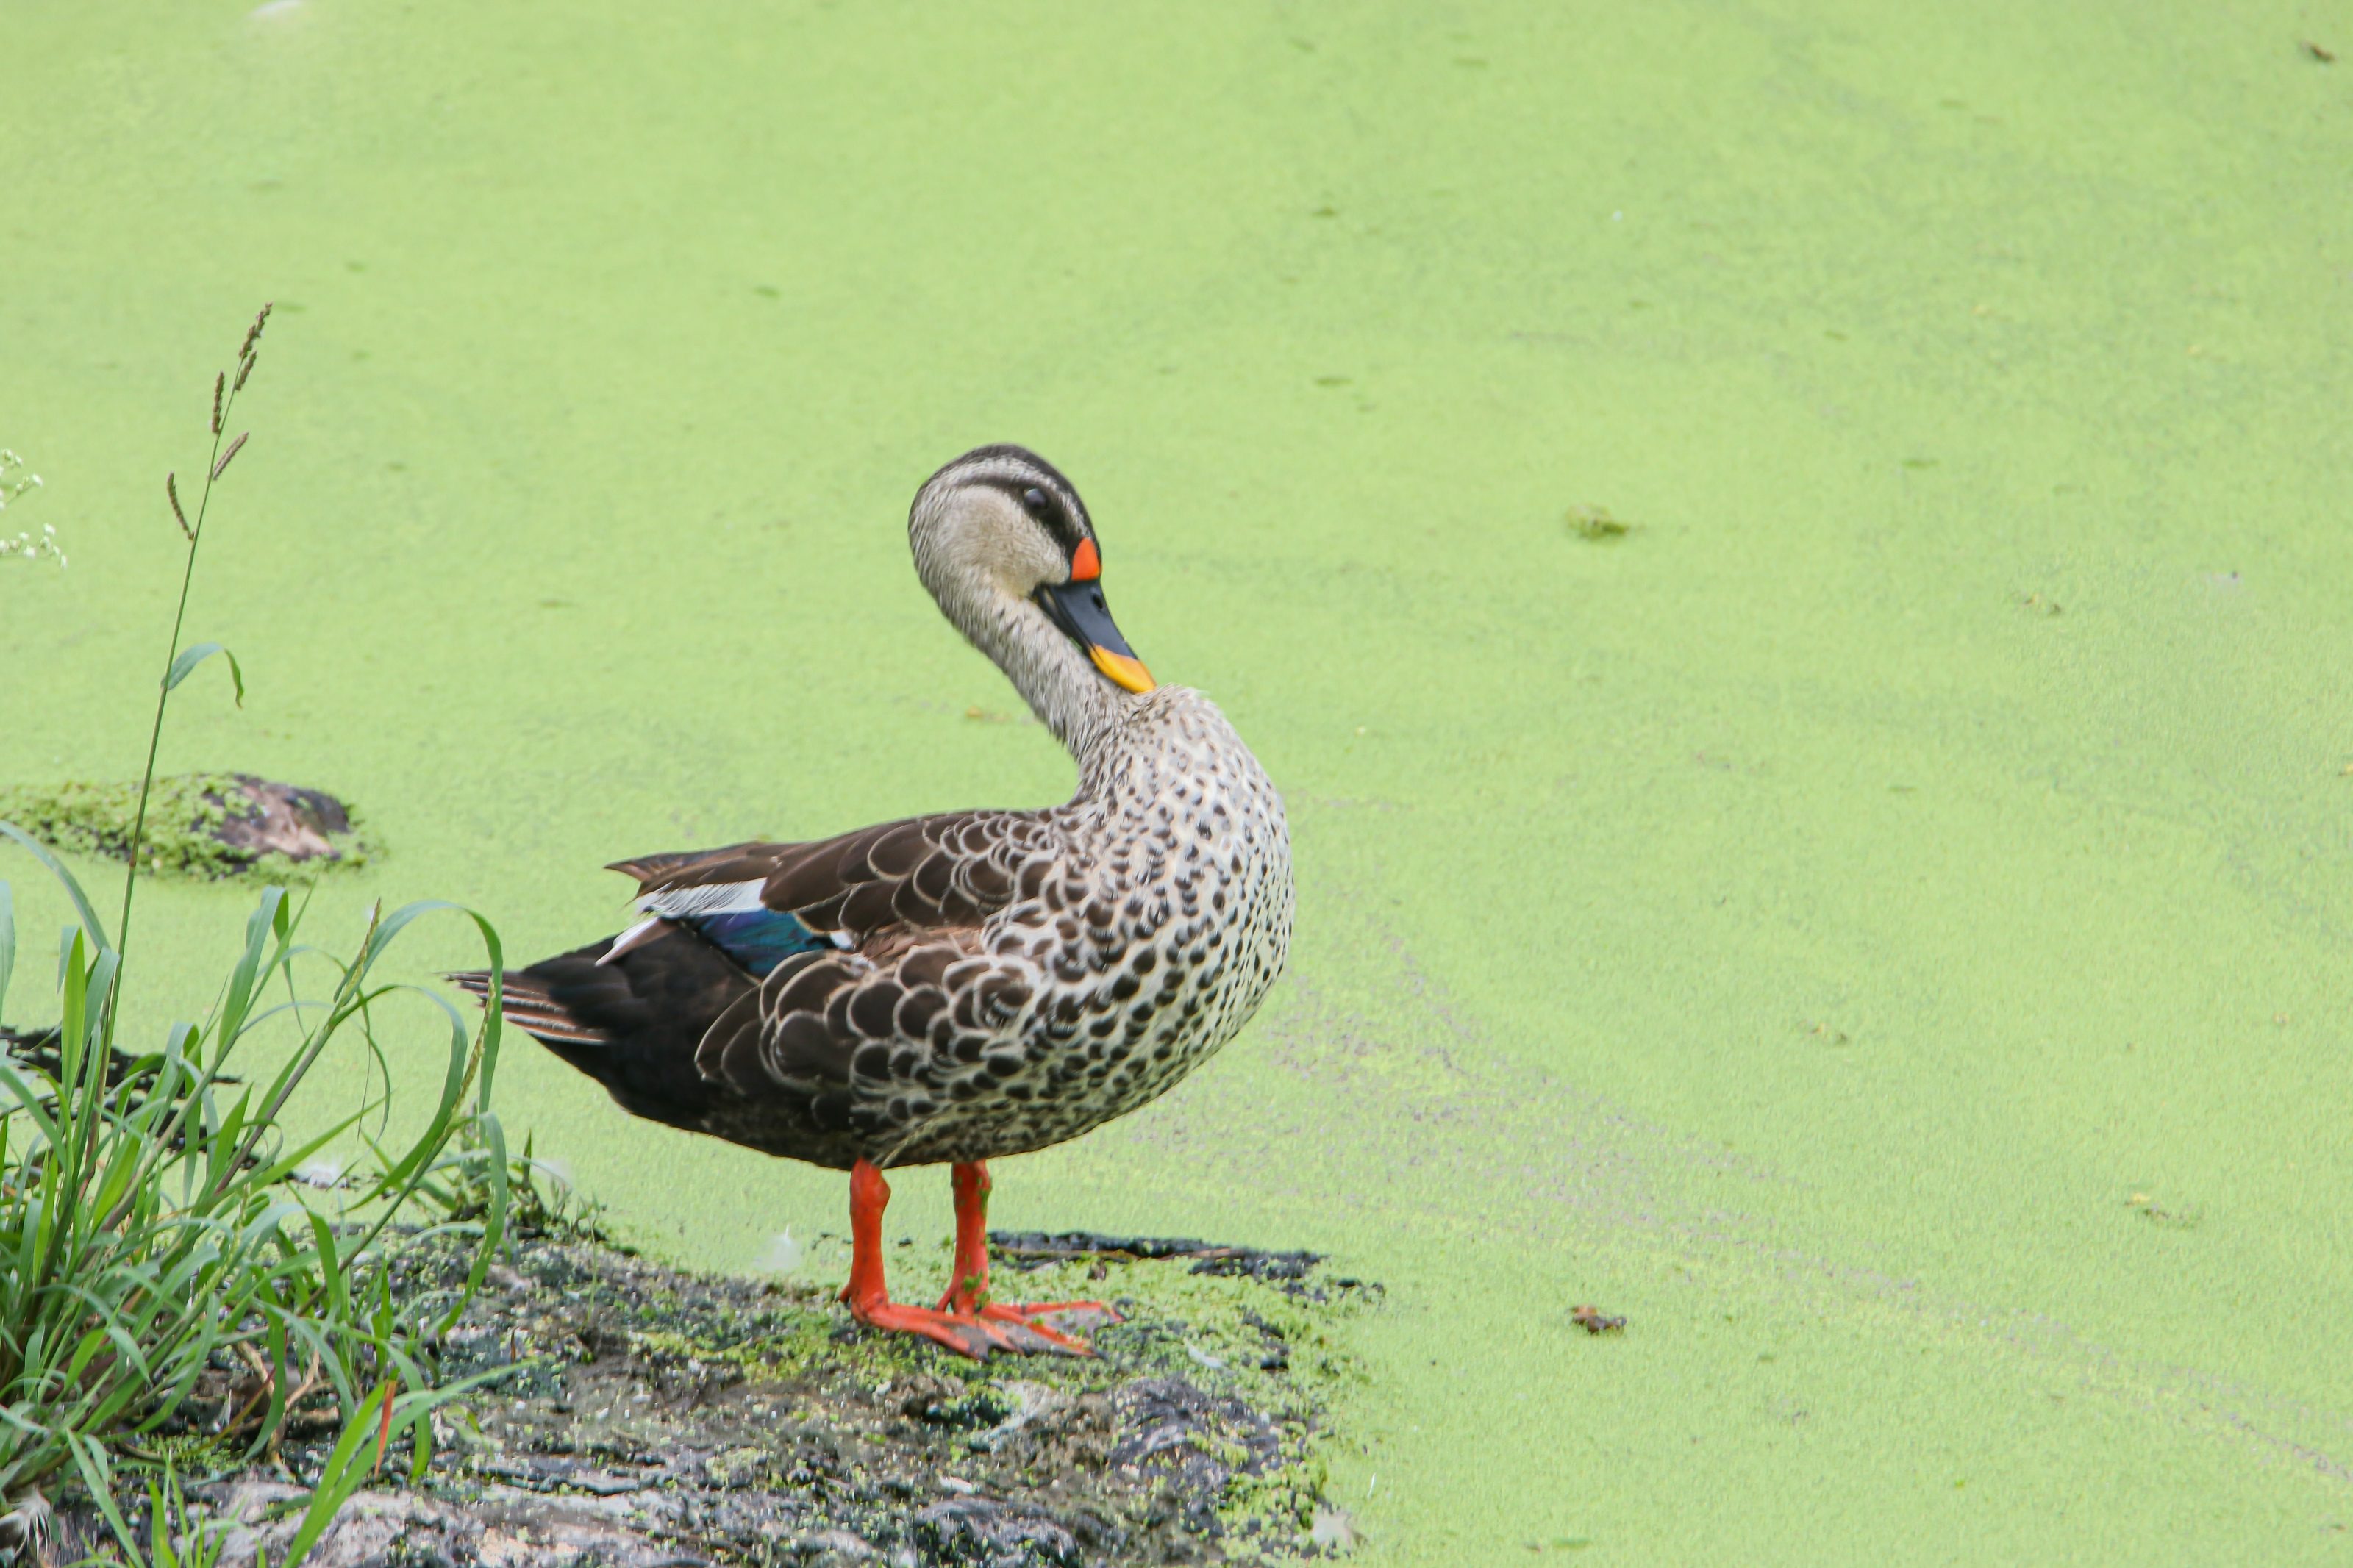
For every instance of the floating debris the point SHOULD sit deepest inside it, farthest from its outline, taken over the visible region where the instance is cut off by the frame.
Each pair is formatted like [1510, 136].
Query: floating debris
[2147, 1206]
[1595, 522]
[1593, 1321]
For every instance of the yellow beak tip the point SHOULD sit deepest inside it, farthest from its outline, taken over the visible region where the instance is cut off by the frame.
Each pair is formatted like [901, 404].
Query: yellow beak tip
[1124, 670]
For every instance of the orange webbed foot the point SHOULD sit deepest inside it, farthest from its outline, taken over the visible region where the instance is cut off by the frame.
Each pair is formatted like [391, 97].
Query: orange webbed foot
[966, 1320]
[968, 1333]
[1030, 1315]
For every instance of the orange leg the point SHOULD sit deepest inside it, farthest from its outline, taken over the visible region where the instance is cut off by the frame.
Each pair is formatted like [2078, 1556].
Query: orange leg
[973, 1333]
[967, 1292]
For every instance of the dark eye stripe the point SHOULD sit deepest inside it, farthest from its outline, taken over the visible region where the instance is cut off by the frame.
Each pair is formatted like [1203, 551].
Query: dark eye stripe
[1054, 512]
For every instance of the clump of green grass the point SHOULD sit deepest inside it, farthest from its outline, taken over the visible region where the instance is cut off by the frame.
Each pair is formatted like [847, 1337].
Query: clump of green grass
[190, 827]
[540, 1203]
[165, 1292]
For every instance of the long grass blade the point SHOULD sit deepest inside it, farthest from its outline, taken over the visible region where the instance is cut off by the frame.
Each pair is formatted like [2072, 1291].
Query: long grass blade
[30, 1100]
[185, 664]
[270, 920]
[98, 1476]
[89, 920]
[494, 1225]
[8, 944]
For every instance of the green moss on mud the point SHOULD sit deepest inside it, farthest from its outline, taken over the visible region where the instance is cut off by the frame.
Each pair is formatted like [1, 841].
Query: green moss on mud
[194, 823]
[762, 1411]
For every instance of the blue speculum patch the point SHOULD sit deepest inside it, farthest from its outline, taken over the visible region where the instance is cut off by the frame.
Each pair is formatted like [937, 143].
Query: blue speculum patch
[759, 940]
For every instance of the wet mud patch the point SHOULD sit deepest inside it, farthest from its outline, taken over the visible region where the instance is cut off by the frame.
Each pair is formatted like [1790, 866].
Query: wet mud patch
[639, 1415]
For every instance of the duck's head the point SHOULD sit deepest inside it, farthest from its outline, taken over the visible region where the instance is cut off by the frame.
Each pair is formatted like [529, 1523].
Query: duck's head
[1004, 543]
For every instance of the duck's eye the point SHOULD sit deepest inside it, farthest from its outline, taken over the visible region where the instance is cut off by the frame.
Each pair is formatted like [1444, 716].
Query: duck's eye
[1035, 503]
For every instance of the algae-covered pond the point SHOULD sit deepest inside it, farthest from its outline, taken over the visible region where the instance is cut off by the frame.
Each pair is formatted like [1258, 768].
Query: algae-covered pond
[1879, 922]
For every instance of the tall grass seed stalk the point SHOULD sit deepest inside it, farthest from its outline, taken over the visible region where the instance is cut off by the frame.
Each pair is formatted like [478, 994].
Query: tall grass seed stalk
[169, 1297]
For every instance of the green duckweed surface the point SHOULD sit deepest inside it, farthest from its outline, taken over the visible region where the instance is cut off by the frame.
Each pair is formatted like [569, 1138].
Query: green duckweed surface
[1880, 922]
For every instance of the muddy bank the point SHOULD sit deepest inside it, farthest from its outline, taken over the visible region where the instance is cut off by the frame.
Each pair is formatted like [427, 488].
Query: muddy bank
[644, 1416]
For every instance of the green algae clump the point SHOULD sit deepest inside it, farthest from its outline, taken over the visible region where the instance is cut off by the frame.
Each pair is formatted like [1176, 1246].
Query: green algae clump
[205, 825]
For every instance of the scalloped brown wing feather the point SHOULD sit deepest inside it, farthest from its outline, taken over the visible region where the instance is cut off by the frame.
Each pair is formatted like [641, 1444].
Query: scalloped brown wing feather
[945, 871]
[803, 1032]
[912, 893]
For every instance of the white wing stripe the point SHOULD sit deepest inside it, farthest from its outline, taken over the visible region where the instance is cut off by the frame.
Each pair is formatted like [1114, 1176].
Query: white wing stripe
[636, 936]
[719, 899]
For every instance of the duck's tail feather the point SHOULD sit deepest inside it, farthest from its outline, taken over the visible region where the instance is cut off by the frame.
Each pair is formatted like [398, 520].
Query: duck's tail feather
[530, 1007]
[631, 1023]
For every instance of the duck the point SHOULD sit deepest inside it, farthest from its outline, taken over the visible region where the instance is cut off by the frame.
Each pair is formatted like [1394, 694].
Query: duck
[963, 986]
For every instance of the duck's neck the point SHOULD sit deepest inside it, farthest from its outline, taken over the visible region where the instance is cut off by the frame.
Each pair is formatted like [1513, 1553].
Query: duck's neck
[1059, 683]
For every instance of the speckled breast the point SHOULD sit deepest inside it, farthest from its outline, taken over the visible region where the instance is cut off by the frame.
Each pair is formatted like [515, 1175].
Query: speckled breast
[1164, 917]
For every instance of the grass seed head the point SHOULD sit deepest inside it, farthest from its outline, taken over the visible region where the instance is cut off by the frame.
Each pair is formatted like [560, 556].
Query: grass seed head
[234, 447]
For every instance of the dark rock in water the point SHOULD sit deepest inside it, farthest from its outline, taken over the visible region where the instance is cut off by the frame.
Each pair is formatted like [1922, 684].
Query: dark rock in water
[131, 1079]
[1034, 1248]
[42, 1050]
[205, 825]
[39, 1049]
[281, 819]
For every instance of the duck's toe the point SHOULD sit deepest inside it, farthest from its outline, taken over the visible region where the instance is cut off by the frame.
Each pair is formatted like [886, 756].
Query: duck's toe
[971, 1334]
[1026, 1317]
